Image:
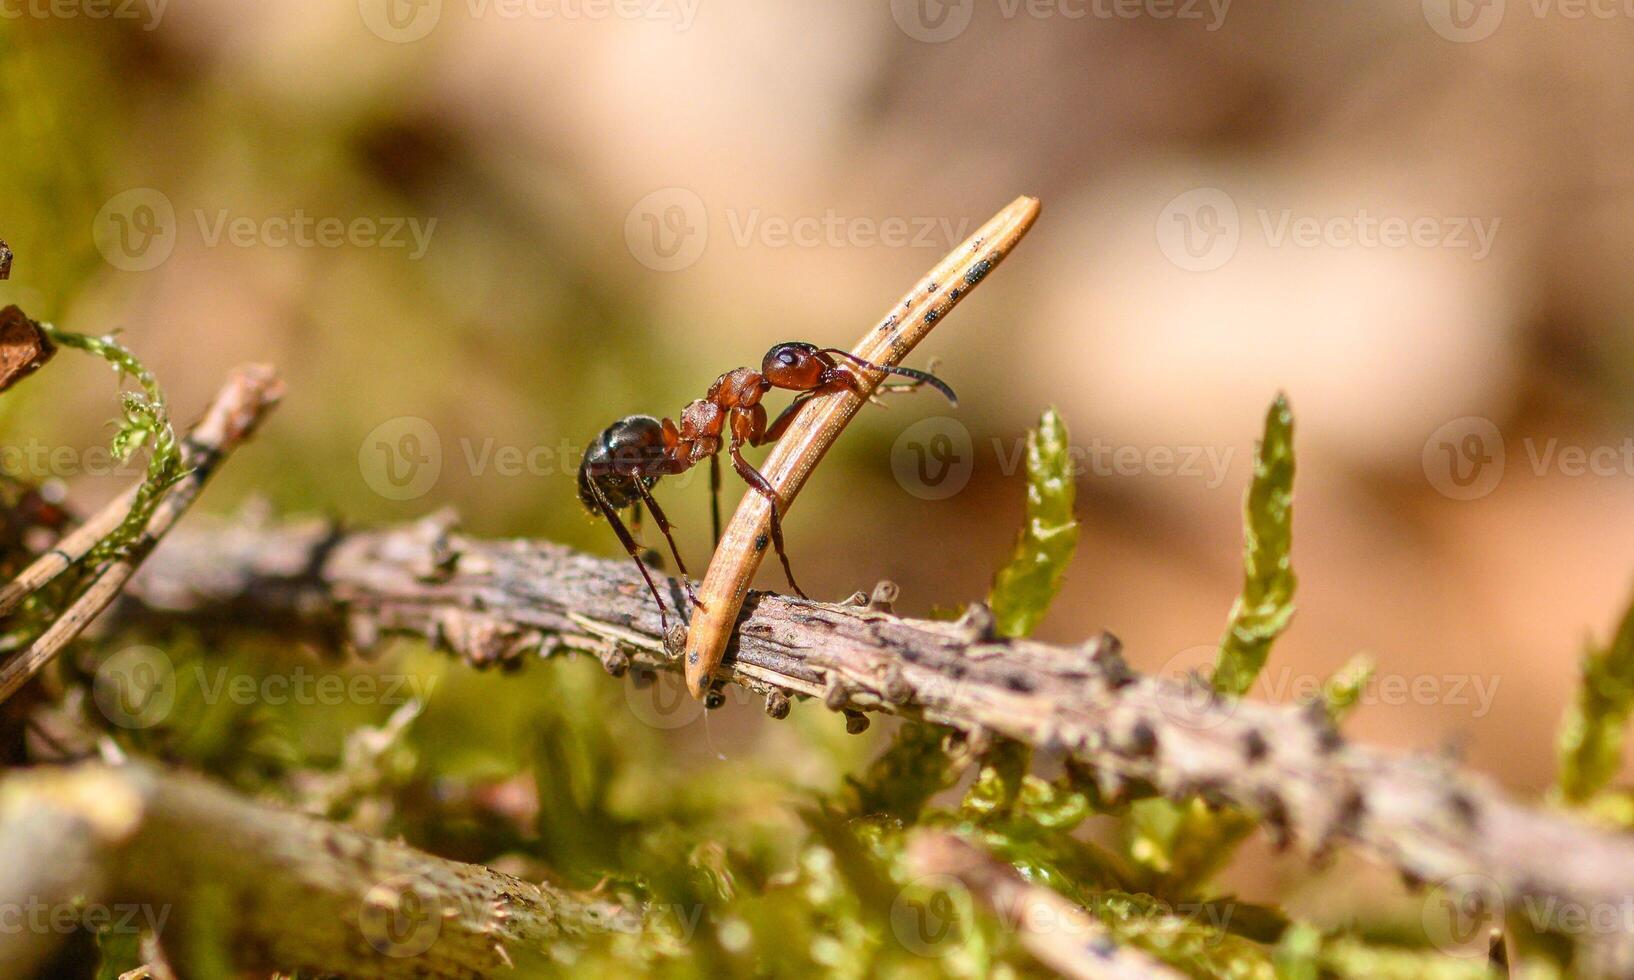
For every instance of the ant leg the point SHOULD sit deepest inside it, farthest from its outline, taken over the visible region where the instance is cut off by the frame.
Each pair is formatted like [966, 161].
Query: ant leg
[632, 549]
[782, 423]
[715, 496]
[763, 487]
[664, 527]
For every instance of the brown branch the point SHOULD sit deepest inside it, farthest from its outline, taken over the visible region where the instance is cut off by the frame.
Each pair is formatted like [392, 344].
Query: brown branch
[271, 888]
[1062, 936]
[492, 600]
[249, 394]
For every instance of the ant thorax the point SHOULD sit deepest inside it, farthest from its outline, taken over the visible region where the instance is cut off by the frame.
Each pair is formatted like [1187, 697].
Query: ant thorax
[738, 387]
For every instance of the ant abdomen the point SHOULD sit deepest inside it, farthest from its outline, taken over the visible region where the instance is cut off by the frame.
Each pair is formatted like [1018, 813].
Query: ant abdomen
[624, 448]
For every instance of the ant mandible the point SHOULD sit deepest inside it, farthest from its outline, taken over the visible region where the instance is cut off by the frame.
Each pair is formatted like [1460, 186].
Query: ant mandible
[621, 466]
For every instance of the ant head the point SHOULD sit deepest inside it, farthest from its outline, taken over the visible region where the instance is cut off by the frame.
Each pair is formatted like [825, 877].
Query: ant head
[794, 366]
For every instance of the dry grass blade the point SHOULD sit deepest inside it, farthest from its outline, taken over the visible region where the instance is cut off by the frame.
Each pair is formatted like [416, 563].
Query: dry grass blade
[744, 542]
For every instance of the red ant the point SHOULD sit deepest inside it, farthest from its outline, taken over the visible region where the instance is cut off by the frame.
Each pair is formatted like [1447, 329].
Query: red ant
[621, 466]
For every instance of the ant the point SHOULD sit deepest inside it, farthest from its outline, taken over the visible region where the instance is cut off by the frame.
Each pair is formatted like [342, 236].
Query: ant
[621, 466]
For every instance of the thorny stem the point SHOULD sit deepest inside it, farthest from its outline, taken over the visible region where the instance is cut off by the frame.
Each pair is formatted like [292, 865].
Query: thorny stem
[492, 601]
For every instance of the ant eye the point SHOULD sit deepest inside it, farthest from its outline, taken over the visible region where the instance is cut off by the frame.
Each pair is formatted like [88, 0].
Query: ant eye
[787, 358]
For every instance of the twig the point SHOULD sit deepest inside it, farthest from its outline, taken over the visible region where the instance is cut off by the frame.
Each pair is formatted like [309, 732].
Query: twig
[815, 429]
[249, 394]
[490, 601]
[271, 888]
[1062, 936]
[73, 546]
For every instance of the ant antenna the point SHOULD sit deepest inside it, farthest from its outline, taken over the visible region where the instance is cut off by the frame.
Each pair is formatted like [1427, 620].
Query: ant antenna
[922, 377]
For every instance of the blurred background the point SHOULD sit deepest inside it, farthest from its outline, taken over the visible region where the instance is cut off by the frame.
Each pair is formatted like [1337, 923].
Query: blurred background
[472, 233]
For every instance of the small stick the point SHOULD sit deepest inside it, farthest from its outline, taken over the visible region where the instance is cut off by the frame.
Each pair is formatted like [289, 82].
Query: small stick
[1059, 934]
[73, 546]
[797, 453]
[249, 393]
[284, 890]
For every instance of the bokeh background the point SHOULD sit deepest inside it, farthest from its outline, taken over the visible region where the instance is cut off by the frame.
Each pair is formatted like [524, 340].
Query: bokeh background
[1413, 218]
